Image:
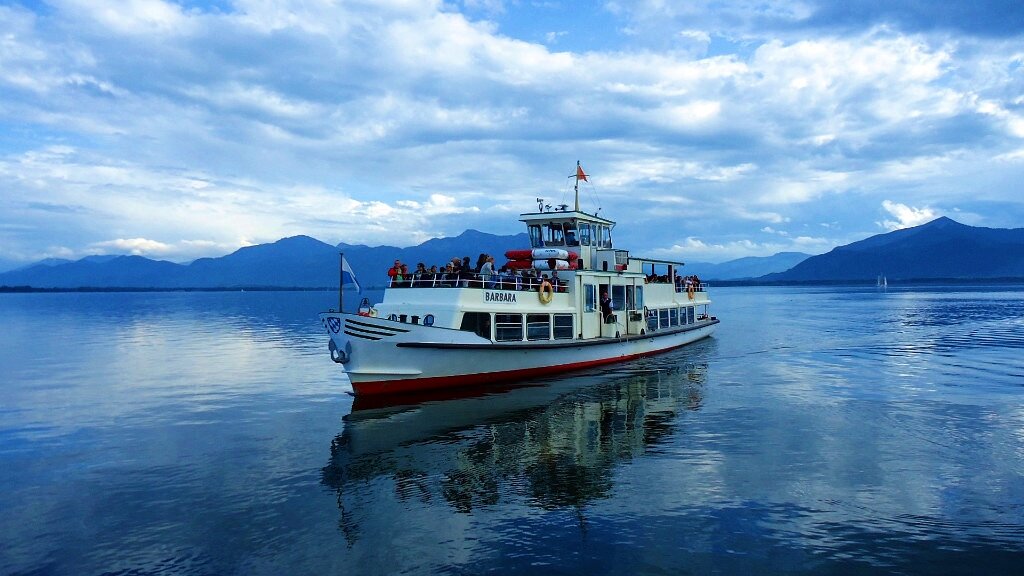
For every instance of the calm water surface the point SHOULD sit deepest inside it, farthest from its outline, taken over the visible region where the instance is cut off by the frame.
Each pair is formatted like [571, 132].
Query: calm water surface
[822, 430]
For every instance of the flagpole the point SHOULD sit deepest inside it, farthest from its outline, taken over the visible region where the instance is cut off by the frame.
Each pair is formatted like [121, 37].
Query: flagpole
[341, 280]
[578, 185]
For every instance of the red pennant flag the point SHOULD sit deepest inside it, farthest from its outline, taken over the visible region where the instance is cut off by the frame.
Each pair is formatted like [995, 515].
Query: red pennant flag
[580, 175]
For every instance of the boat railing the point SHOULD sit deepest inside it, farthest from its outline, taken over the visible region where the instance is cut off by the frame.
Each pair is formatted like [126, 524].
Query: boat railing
[682, 286]
[496, 282]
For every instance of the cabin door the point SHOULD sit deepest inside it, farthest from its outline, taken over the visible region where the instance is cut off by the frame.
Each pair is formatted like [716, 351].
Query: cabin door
[590, 325]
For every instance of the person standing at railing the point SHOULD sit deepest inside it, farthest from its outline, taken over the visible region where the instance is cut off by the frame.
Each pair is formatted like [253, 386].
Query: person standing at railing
[395, 272]
[419, 275]
[487, 273]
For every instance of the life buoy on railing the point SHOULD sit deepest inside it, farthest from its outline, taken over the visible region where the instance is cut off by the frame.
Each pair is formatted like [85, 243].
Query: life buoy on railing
[690, 290]
[372, 313]
[546, 292]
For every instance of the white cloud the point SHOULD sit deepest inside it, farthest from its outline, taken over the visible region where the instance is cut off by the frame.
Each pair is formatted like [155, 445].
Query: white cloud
[135, 246]
[906, 216]
[129, 16]
[377, 120]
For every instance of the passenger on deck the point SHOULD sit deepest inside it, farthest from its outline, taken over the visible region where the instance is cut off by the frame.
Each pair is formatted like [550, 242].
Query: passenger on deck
[556, 282]
[487, 273]
[606, 307]
[419, 277]
[395, 270]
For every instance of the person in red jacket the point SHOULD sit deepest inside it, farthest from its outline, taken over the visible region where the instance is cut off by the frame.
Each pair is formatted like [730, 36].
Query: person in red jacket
[395, 272]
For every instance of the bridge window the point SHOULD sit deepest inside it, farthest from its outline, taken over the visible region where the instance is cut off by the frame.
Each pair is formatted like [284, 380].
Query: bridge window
[553, 235]
[570, 234]
[585, 233]
[536, 240]
[589, 300]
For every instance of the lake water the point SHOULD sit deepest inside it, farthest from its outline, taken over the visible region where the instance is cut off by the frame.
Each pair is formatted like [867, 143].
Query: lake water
[821, 430]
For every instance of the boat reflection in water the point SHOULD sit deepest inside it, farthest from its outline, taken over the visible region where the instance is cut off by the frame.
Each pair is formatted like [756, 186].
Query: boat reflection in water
[545, 444]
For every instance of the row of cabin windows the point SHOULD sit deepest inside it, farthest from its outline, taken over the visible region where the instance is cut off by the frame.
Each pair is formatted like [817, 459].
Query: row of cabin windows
[669, 317]
[510, 327]
[566, 234]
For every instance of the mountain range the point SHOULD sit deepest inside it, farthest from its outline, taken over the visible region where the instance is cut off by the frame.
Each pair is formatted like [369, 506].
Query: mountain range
[942, 249]
[295, 262]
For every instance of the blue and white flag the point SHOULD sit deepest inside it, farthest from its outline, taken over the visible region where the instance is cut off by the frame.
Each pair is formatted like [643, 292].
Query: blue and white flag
[347, 275]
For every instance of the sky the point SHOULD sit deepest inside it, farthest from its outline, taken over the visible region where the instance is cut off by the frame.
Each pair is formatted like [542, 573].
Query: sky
[711, 130]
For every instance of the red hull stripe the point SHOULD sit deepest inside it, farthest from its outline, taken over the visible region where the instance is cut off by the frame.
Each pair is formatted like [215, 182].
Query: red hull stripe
[408, 385]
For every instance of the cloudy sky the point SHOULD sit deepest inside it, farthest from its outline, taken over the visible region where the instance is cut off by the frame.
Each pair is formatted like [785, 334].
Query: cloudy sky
[711, 129]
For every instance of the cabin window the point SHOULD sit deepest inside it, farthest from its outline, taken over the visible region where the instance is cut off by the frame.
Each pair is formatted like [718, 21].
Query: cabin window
[508, 327]
[618, 297]
[663, 318]
[570, 234]
[554, 236]
[689, 314]
[630, 298]
[478, 323]
[563, 327]
[673, 316]
[585, 233]
[589, 300]
[536, 240]
[606, 237]
[652, 320]
[639, 297]
[538, 327]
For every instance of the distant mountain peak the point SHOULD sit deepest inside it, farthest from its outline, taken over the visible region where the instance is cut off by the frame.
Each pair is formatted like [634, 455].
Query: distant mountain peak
[942, 222]
[941, 248]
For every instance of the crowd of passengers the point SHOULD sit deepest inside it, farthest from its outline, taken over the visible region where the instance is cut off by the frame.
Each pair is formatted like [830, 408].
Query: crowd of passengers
[459, 273]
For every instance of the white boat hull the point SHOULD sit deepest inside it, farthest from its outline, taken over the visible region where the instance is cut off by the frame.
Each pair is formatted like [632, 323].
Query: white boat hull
[388, 357]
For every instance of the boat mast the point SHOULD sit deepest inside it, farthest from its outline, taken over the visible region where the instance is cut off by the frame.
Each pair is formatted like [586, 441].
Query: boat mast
[580, 175]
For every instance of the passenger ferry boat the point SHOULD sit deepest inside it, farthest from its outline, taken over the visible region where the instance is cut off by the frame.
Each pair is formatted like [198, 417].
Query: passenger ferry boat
[431, 333]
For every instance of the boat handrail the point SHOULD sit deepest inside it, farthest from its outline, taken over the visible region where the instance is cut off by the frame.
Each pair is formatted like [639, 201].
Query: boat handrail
[497, 282]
